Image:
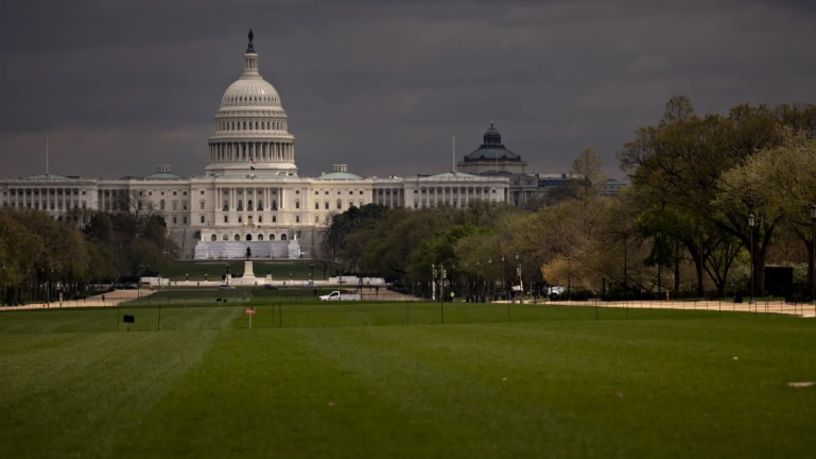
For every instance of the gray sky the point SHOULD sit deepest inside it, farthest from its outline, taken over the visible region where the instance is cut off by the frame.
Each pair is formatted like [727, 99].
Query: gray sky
[119, 86]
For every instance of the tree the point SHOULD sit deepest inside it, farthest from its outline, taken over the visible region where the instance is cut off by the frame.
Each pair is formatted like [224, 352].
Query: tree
[588, 167]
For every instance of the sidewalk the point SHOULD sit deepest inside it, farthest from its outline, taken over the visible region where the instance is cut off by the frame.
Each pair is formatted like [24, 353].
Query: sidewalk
[761, 306]
[111, 299]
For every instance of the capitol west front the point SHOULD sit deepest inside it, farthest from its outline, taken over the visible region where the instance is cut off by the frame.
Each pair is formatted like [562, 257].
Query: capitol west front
[251, 195]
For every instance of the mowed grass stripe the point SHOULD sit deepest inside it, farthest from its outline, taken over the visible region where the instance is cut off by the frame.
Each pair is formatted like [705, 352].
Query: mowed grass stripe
[72, 397]
[265, 393]
[668, 403]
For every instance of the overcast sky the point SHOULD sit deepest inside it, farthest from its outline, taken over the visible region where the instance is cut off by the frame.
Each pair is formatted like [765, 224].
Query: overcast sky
[120, 86]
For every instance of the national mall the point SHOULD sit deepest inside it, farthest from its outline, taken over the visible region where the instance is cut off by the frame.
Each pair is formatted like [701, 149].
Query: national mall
[251, 196]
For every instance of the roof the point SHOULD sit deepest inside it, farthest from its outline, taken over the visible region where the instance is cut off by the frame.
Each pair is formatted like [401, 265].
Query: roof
[50, 177]
[452, 174]
[339, 176]
[491, 153]
[164, 176]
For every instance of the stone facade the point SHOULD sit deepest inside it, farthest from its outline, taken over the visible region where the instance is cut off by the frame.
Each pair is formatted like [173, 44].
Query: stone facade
[250, 195]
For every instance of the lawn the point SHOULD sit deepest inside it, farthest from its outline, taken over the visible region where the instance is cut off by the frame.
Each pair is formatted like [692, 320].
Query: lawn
[280, 270]
[388, 380]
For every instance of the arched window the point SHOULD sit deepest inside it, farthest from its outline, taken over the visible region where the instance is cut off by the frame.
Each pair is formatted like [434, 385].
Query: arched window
[248, 237]
[283, 237]
[272, 237]
[260, 237]
[224, 238]
[213, 238]
[237, 237]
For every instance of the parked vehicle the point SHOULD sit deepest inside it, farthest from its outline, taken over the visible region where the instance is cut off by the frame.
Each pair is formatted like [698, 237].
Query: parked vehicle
[555, 292]
[337, 295]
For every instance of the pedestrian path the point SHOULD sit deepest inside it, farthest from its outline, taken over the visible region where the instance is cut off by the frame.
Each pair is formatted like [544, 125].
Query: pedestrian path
[760, 306]
[112, 298]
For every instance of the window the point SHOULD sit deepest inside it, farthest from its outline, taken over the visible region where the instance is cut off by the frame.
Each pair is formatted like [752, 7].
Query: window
[271, 237]
[326, 204]
[201, 205]
[175, 220]
[274, 219]
[297, 204]
[237, 237]
[202, 219]
[184, 220]
[240, 219]
[297, 218]
[161, 204]
[283, 237]
[214, 238]
[226, 219]
[339, 204]
[260, 237]
[225, 238]
[317, 205]
[260, 218]
[248, 237]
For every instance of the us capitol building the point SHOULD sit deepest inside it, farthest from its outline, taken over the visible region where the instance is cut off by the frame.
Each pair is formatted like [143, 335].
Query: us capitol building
[250, 195]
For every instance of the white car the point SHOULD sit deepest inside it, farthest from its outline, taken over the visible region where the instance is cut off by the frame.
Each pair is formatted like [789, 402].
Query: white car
[338, 296]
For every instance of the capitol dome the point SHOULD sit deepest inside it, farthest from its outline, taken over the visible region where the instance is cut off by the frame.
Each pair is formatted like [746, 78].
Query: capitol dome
[251, 126]
[250, 92]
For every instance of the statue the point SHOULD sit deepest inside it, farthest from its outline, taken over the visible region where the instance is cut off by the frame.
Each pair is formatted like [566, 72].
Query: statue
[248, 253]
[250, 46]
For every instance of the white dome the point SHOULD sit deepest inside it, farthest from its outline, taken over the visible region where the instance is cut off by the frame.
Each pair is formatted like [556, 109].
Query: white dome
[251, 127]
[252, 92]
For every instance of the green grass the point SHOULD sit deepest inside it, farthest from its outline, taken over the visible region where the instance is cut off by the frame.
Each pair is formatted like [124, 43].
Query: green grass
[280, 270]
[356, 380]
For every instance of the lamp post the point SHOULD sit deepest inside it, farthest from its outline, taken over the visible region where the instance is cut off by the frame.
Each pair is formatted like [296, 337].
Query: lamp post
[751, 224]
[659, 262]
[521, 281]
[503, 278]
[490, 273]
[813, 253]
[139, 281]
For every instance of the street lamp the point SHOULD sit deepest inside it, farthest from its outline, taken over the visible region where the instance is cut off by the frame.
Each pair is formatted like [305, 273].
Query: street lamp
[813, 253]
[521, 280]
[658, 235]
[492, 292]
[751, 224]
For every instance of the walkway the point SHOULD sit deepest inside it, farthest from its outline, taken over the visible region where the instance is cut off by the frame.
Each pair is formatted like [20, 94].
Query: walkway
[761, 306]
[110, 299]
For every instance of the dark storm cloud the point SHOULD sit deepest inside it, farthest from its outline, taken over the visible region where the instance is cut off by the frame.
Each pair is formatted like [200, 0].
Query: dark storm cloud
[120, 86]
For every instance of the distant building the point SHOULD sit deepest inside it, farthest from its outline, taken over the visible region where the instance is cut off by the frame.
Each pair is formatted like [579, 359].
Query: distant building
[250, 195]
[493, 159]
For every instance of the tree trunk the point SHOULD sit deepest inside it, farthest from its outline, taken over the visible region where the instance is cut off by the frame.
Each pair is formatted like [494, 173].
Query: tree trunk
[810, 282]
